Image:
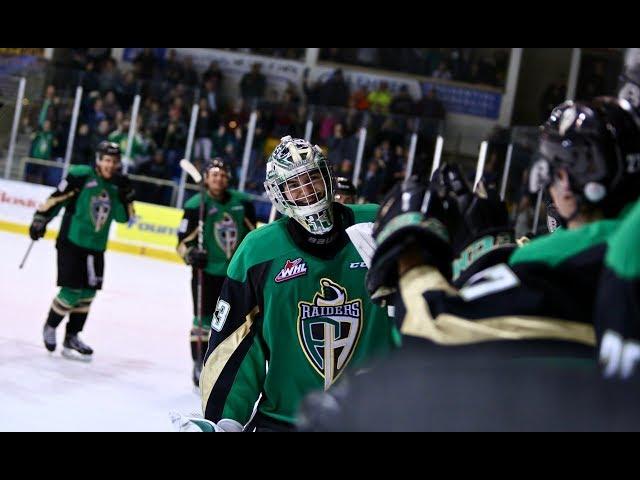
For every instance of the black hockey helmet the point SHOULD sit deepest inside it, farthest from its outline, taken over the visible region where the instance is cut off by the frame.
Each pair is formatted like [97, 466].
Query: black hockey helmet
[345, 190]
[345, 186]
[107, 148]
[598, 144]
[216, 163]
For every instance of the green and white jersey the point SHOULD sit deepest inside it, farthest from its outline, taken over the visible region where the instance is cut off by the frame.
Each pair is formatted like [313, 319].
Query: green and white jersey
[309, 318]
[226, 223]
[91, 203]
[617, 313]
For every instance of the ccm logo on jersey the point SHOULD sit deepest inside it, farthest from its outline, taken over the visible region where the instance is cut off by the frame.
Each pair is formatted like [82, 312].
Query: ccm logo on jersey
[292, 269]
[355, 265]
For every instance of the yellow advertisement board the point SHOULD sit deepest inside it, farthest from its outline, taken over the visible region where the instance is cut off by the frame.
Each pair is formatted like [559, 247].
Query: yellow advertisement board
[152, 225]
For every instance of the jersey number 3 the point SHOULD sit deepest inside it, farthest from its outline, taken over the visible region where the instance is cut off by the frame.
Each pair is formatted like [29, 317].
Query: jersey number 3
[220, 315]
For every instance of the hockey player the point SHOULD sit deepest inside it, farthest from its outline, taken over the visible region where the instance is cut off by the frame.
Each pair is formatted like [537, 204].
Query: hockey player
[345, 191]
[528, 318]
[228, 216]
[617, 315]
[92, 199]
[294, 298]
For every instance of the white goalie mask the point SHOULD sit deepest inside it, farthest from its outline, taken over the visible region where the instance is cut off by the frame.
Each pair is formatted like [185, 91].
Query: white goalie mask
[300, 185]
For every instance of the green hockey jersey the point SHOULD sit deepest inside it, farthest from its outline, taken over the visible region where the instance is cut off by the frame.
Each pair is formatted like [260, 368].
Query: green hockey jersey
[308, 318]
[226, 223]
[91, 203]
[617, 313]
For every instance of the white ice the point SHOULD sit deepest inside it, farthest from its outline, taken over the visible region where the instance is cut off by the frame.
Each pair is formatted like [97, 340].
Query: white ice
[139, 330]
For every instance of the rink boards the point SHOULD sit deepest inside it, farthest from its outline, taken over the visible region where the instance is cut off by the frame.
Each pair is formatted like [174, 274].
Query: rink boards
[152, 232]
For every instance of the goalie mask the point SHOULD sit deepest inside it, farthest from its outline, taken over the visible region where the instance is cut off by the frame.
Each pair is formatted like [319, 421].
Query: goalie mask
[299, 184]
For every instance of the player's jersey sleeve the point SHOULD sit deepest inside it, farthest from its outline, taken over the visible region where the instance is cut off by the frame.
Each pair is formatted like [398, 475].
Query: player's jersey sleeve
[121, 212]
[67, 190]
[547, 290]
[235, 364]
[617, 312]
[497, 306]
[188, 231]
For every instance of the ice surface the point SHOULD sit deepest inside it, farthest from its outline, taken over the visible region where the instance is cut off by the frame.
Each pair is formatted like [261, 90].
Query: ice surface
[139, 330]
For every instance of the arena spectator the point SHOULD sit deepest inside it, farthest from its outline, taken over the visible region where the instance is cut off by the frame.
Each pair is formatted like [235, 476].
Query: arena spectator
[359, 99]
[146, 62]
[121, 137]
[49, 106]
[99, 135]
[372, 182]
[430, 106]
[345, 169]
[253, 84]
[110, 105]
[339, 146]
[126, 90]
[82, 146]
[335, 91]
[175, 141]
[42, 144]
[213, 74]
[96, 114]
[190, 77]
[156, 167]
[204, 127]
[90, 79]
[380, 99]
[402, 103]
[173, 69]
[109, 75]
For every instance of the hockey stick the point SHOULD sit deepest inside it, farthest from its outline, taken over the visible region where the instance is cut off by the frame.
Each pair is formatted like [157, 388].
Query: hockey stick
[193, 172]
[24, 260]
[482, 156]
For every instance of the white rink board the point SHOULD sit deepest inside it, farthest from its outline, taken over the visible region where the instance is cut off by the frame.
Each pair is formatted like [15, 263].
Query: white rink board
[139, 328]
[19, 200]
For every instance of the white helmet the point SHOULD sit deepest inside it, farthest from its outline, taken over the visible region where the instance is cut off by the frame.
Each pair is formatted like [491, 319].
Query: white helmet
[300, 185]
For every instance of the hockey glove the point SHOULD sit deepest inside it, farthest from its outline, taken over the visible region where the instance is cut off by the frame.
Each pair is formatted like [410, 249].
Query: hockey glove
[481, 233]
[38, 227]
[197, 258]
[403, 227]
[126, 193]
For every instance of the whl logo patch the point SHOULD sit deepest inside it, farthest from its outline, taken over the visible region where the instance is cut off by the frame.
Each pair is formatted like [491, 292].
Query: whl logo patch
[328, 329]
[292, 269]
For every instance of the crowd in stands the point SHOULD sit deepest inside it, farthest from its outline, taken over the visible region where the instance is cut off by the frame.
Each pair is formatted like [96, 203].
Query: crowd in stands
[469, 65]
[169, 87]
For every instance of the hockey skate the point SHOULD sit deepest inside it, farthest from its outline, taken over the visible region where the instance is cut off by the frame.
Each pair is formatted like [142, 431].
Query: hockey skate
[49, 337]
[75, 349]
